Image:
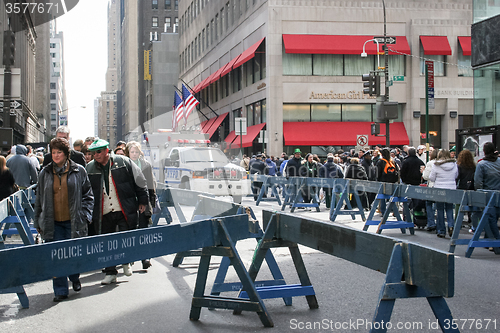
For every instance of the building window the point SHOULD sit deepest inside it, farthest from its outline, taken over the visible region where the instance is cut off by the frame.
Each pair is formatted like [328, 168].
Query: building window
[439, 63]
[167, 24]
[154, 4]
[217, 26]
[155, 21]
[236, 77]
[52, 45]
[328, 64]
[176, 4]
[356, 65]
[176, 24]
[464, 65]
[52, 106]
[53, 96]
[297, 64]
[326, 112]
[296, 112]
[212, 32]
[52, 85]
[168, 4]
[208, 36]
[203, 40]
[356, 112]
[222, 21]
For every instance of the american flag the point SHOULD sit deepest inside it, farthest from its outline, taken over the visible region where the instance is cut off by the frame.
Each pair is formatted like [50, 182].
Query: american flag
[189, 102]
[178, 111]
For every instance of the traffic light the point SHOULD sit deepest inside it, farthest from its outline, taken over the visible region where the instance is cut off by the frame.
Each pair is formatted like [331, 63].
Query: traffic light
[9, 47]
[371, 84]
[387, 110]
[375, 129]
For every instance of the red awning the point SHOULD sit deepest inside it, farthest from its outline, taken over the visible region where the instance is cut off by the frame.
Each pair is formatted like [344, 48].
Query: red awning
[203, 124]
[197, 87]
[206, 82]
[208, 123]
[339, 44]
[230, 138]
[229, 66]
[215, 124]
[435, 45]
[252, 133]
[340, 133]
[465, 44]
[247, 54]
[216, 76]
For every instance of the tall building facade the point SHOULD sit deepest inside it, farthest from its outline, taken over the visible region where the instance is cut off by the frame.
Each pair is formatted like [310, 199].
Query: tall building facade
[293, 70]
[107, 119]
[142, 23]
[58, 103]
[25, 121]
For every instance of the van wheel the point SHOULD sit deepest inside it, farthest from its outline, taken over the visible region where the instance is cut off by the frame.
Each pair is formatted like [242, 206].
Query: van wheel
[237, 199]
[185, 184]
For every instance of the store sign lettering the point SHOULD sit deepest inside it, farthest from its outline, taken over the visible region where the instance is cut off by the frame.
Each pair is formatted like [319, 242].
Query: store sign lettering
[332, 95]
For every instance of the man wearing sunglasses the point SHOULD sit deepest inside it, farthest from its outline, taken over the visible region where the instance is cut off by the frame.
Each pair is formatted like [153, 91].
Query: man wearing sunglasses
[120, 193]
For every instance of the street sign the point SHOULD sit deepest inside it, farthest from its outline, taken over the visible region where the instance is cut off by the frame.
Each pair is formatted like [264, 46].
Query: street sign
[389, 39]
[63, 120]
[362, 140]
[430, 83]
[15, 104]
[240, 126]
[398, 78]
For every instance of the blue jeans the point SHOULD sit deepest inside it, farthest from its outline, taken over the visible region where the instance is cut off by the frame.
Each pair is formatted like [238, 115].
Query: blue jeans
[429, 210]
[492, 222]
[62, 230]
[441, 207]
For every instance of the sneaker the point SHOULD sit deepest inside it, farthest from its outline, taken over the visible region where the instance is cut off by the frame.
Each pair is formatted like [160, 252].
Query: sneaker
[450, 231]
[127, 270]
[441, 235]
[108, 279]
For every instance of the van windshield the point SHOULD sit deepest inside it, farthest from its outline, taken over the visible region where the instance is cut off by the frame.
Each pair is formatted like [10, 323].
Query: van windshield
[203, 155]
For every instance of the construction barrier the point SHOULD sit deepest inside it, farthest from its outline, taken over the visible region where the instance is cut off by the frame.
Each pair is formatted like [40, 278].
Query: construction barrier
[412, 271]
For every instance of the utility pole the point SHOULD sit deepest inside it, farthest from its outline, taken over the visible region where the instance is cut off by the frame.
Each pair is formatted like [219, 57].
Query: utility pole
[386, 72]
[9, 47]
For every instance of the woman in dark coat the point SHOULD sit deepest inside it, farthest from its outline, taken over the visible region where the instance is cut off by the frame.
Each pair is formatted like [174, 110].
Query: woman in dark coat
[356, 171]
[310, 168]
[465, 181]
[63, 206]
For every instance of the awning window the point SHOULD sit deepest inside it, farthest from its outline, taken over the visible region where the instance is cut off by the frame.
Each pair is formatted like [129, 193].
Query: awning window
[340, 133]
[247, 139]
[465, 44]
[340, 44]
[435, 45]
[247, 54]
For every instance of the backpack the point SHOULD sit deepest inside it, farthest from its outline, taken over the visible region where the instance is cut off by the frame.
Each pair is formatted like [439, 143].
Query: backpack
[391, 172]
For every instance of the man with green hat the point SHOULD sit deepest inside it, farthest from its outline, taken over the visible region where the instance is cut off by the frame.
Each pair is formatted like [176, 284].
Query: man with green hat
[453, 151]
[293, 166]
[120, 193]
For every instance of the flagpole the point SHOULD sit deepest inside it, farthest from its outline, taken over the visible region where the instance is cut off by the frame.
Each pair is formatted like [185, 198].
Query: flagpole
[208, 106]
[197, 110]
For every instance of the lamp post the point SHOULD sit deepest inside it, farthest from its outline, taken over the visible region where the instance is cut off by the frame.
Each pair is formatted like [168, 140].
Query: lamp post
[386, 72]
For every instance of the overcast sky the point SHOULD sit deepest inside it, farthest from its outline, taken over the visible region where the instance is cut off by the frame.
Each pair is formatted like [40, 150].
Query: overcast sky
[85, 56]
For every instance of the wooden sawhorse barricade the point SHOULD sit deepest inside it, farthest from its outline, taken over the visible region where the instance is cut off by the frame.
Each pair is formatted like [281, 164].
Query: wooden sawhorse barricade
[412, 270]
[393, 198]
[341, 192]
[293, 194]
[214, 236]
[272, 183]
[487, 202]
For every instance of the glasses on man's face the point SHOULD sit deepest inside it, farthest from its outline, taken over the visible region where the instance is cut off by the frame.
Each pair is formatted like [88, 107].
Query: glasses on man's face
[98, 151]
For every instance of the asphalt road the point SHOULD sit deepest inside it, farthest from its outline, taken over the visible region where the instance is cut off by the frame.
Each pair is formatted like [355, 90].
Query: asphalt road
[159, 299]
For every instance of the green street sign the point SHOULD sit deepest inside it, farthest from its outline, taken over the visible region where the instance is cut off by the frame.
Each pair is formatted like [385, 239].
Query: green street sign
[398, 78]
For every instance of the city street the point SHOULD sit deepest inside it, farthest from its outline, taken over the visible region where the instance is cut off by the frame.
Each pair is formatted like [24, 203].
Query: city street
[159, 299]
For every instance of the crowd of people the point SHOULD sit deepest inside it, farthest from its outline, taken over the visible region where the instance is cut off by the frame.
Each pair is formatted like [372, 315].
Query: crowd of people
[84, 191]
[407, 166]
[92, 189]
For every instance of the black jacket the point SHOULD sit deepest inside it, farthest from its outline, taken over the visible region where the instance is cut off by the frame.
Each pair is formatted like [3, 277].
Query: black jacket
[258, 167]
[410, 170]
[370, 168]
[356, 171]
[293, 167]
[465, 180]
[330, 170]
[74, 155]
[130, 187]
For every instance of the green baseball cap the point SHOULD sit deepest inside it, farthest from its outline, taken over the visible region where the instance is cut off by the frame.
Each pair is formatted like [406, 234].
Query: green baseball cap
[454, 148]
[98, 144]
[297, 150]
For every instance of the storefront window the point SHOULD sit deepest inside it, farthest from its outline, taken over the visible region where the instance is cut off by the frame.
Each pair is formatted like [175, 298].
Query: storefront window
[434, 131]
[263, 110]
[257, 113]
[354, 64]
[296, 112]
[297, 64]
[328, 64]
[396, 65]
[325, 112]
[356, 112]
